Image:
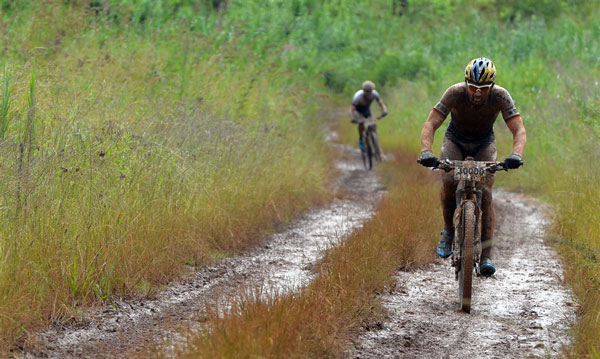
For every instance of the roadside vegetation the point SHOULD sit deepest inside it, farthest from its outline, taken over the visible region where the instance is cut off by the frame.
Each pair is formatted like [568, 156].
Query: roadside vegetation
[547, 54]
[138, 136]
[319, 321]
[127, 154]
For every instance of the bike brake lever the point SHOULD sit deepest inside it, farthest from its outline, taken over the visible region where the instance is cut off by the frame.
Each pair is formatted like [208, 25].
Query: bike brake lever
[440, 166]
[502, 167]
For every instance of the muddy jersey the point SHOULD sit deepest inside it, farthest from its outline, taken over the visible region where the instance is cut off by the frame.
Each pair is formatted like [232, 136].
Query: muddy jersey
[362, 104]
[474, 123]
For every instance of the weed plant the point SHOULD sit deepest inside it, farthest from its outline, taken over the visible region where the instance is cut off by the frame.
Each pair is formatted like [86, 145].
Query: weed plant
[137, 135]
[318, 321]
[127, 155]
[541, 61]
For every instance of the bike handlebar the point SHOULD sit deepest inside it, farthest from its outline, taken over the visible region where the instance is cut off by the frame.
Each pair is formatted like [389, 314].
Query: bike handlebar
[448, 165]
[492, 167]
[381, 116]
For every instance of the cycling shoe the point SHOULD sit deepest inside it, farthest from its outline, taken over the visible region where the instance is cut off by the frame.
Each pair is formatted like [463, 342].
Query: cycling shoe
[444, 246]
[486, 268]
[361, 145]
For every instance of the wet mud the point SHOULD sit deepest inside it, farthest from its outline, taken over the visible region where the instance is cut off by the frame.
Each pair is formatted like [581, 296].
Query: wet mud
[281, 263]
[523, 311]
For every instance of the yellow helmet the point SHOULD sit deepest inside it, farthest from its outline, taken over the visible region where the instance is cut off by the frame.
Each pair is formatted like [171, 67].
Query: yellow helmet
[480, 70]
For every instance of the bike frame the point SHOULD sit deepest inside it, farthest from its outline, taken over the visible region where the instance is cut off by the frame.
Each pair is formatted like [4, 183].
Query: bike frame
[467, 247]
[367, 152]
[467, 192]
[369, 136]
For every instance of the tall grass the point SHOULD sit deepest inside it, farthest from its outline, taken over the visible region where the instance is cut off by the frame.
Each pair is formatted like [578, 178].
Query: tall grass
[318, 321]
[138, 104]
[548, 60]
[5, 102]
[559, 107]
[129, 155]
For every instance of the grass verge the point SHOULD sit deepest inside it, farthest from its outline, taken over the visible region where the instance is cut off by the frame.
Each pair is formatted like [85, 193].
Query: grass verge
[126, 156]
[318, 321]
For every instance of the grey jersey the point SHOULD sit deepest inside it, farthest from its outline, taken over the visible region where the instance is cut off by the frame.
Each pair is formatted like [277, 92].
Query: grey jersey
[362, 104]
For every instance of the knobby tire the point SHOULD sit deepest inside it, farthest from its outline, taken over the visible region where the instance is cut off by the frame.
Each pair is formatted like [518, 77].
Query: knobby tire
[375, 145]
[465, 275]
[371, 148]
[367, 154]
[365, 158]
[370, 156]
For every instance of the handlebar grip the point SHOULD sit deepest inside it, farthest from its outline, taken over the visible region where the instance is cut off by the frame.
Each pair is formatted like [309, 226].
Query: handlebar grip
[436, 166]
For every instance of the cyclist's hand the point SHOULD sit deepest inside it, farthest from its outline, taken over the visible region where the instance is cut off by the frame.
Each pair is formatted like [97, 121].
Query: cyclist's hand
[427, 159]
[514, 161]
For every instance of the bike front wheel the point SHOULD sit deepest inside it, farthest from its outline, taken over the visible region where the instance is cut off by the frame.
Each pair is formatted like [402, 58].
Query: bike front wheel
[465, 274]
[366, 154]
[374, 144]
[366, 157]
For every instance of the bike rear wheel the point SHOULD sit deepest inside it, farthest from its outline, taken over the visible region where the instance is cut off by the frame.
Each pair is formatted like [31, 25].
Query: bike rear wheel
[465, 274]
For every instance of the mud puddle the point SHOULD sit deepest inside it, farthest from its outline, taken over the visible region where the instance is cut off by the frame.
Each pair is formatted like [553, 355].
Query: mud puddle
[523, 311]
[282, 263]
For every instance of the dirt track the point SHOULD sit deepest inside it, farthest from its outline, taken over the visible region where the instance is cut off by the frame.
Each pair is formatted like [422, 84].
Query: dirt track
[523, 311]
[282, 263]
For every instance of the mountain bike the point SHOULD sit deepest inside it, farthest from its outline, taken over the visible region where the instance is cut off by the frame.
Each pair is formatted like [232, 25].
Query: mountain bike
[372, 149]
[466, 247]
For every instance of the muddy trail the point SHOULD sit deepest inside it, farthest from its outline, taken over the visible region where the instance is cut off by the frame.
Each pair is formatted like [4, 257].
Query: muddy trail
[523, 311]
[283, 262]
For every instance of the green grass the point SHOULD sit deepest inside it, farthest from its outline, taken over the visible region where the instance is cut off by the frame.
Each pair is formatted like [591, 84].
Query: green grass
[558, 100]
[126, 155]
[318, 321]
[139, 135]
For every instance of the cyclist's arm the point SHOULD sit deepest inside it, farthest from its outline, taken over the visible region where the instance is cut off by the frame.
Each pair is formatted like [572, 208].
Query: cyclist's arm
[352, 111]
[382, 106]
[434, 121]
[515, 125]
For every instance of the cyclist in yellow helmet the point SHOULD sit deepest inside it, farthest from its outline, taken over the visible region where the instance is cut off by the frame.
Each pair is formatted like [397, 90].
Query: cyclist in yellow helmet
[474, 106]
[360, 111]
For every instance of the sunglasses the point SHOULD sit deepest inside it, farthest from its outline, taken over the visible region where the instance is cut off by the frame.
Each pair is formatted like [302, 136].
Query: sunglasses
[483, 88]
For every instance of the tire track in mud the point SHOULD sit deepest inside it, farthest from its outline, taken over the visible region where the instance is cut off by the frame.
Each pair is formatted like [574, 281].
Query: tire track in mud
[523, 311]
[281, 263]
